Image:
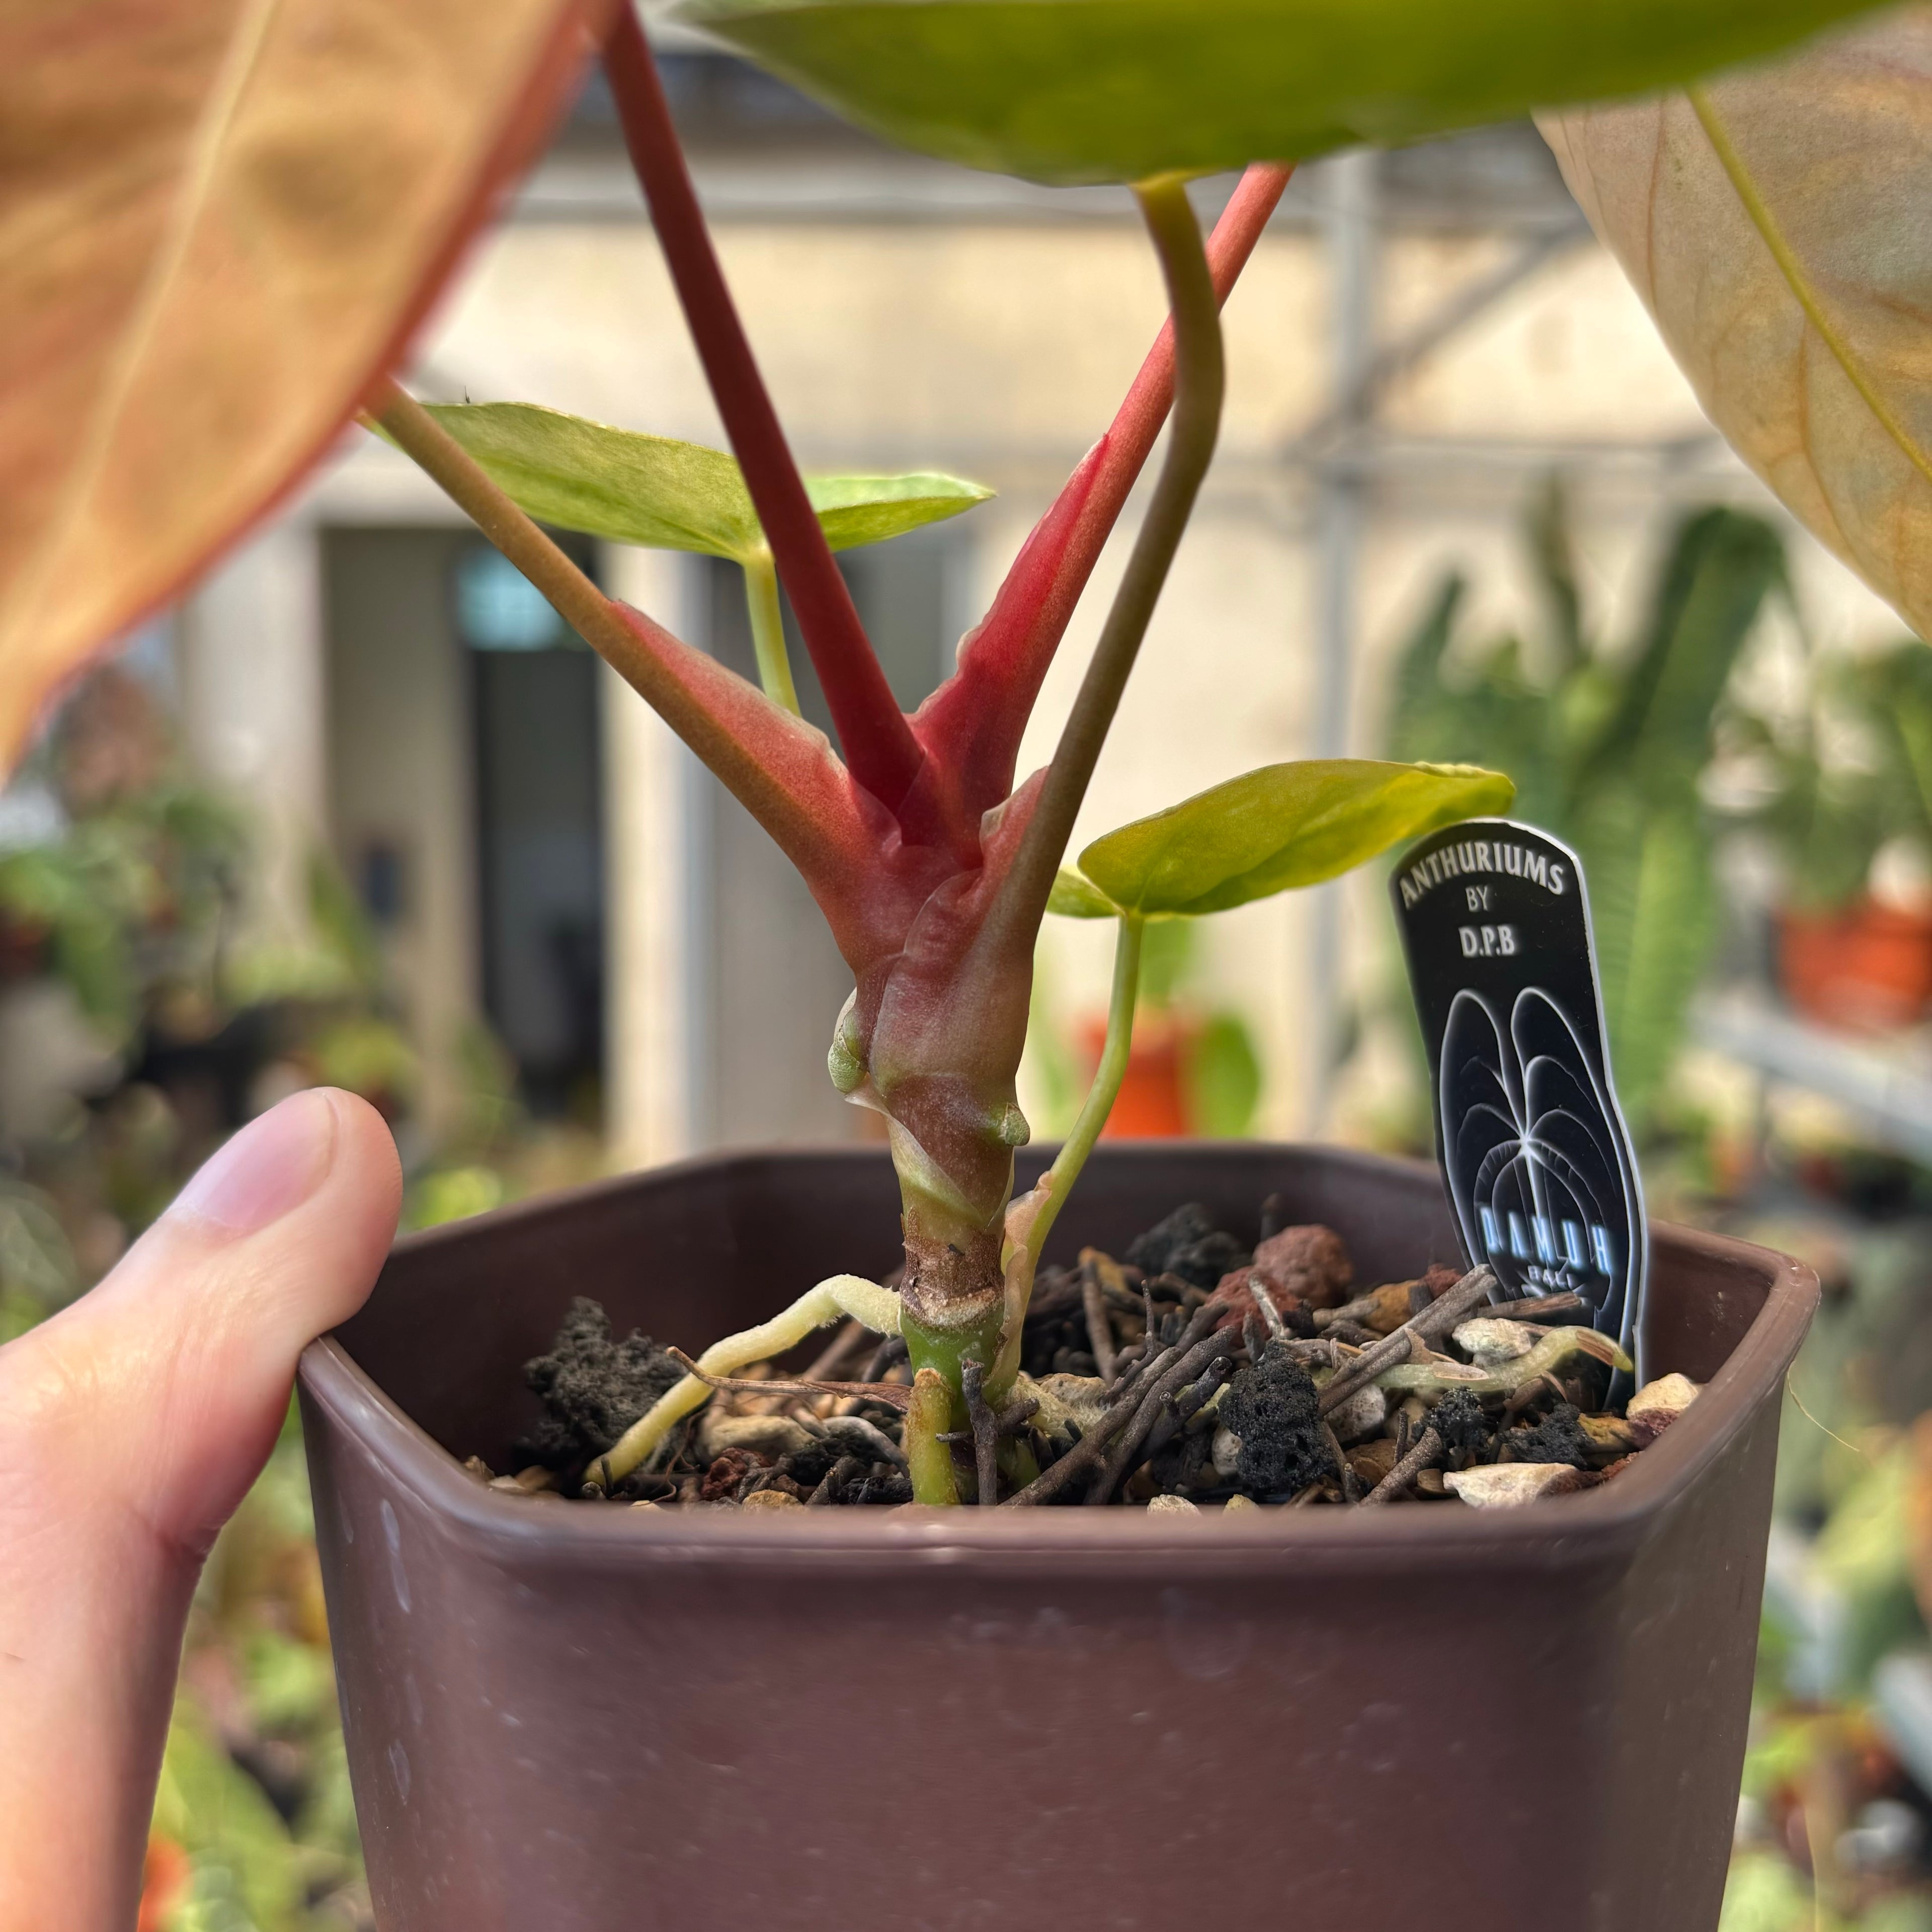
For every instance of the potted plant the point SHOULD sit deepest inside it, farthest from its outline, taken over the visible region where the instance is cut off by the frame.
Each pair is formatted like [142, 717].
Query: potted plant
[935, 874]
[1845, 810]
[576, 1714]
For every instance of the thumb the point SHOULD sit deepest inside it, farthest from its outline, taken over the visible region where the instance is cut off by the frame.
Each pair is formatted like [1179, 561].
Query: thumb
[130, 1425]
[186, 1351]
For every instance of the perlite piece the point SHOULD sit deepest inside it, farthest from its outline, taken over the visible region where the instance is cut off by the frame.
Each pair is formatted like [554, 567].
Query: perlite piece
[1657, 1404]
[1510, 1485]
[1491, 1340]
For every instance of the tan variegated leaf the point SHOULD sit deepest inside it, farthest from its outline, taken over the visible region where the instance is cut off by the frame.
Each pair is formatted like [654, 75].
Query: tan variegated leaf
[1778, 224]
[220, 220]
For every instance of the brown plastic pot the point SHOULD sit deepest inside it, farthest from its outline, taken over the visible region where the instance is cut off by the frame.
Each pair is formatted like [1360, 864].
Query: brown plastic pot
[569, 1718]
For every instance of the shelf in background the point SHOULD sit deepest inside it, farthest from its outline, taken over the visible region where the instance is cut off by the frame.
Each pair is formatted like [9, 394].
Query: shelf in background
[1884, 1080]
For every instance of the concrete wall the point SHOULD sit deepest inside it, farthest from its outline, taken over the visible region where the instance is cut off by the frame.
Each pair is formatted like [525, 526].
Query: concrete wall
[652, 1097]
[400, 776]
[250, 654]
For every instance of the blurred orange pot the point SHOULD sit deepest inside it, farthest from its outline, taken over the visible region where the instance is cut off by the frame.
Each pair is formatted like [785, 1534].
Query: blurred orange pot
[164, 1884]
[1152, 1104]
[1867, 967]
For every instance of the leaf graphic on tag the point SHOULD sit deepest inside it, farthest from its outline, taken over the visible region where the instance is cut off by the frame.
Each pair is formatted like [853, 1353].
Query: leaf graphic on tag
[1534, 1164]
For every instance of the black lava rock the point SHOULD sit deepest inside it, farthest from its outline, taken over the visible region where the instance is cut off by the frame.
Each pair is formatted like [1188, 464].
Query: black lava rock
[1558, 1437]
[1458, 1418]
[593, 1388]
[1272, 1406]
[1187, 1244]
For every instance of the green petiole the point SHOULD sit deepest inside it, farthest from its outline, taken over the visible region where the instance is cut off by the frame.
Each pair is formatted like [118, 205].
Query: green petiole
[768, 637]
[1030, 1220]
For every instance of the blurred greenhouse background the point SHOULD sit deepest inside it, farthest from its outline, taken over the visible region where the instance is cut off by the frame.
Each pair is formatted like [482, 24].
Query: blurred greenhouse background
[361, 811]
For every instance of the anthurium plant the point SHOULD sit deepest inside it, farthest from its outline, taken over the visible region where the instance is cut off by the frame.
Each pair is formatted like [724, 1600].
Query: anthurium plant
[933, 861]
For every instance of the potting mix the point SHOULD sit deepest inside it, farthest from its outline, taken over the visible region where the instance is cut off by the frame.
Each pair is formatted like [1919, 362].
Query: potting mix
[1191, 1373]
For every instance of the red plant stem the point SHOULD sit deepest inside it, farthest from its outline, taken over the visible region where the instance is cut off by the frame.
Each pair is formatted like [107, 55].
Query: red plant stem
[1138, 421]
[973, 724]
[760, 761]
[878, 743]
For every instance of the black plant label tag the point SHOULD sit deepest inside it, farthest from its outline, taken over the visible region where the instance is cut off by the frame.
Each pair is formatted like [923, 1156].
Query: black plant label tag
[1495, 922]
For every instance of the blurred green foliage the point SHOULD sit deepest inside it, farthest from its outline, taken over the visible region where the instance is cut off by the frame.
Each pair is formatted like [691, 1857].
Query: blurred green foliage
[132, 901]
[1219, 1066]
[1845, 772]
[1767, 1893]
[130, 906]
[1221, 1077]
[254, 1786]
[1854, 1483]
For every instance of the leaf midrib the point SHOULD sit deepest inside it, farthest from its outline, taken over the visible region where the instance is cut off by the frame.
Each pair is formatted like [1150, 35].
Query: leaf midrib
[1792, 269]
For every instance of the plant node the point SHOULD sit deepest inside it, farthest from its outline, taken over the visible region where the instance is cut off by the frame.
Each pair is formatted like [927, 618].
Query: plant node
[951, 1281]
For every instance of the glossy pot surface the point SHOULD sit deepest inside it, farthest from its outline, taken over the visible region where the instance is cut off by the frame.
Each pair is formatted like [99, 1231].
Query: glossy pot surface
[569, 1718]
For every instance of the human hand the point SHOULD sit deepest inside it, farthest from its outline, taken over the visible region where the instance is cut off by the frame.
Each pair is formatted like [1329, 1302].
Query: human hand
[131, 1424]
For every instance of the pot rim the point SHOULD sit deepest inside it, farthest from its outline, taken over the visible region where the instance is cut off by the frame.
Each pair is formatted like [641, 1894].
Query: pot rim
[1596, 1525]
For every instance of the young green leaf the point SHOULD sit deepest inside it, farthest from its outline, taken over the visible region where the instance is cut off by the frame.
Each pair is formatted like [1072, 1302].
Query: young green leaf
[667, 495]
[856, 510]
[1120, 90]
[1775, 225]
[1073, 897]
[1283, 825]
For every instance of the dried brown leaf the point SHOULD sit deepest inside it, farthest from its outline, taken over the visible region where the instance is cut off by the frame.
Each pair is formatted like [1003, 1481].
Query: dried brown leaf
[1774, 223]
[220, 219]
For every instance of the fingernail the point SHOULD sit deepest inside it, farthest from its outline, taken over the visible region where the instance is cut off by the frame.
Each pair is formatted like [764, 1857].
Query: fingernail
[273, 1165]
